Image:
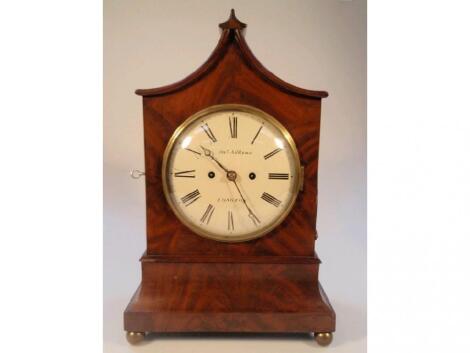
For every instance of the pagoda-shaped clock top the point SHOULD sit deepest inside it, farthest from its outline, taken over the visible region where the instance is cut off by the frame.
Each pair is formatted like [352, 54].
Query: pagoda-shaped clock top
[232, 36]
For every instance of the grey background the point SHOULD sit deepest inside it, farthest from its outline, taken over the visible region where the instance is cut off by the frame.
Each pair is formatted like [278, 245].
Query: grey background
[312, 44]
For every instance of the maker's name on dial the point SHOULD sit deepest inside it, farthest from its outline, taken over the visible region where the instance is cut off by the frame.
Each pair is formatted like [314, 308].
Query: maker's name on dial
[232, 151]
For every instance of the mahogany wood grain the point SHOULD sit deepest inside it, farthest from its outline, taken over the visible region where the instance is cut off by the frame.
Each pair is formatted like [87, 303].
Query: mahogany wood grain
[223, 297]
[230, 79]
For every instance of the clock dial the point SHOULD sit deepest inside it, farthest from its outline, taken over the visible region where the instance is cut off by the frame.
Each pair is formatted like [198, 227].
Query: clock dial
[231, 173]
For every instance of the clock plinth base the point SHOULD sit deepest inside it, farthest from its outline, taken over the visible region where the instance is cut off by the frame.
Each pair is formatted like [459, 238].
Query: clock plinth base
[213, 296]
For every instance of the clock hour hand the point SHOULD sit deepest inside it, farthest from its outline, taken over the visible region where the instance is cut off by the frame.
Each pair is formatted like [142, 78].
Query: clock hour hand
[210, 154]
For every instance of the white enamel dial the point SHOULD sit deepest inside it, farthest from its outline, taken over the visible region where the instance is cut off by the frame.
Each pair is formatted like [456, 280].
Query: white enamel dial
[231, 173]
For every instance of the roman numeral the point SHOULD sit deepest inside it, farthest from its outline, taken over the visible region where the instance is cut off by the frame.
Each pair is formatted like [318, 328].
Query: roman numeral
[206, 217]
[193, 151]
[272, 153]
[233, 123]
[230, 225]
[190, 198]
[209, 132]
[254, 138]
[185, 174]
[278, 176]
[270, 199]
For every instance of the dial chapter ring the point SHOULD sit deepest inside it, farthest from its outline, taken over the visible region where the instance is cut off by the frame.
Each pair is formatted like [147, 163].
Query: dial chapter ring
[230, 108]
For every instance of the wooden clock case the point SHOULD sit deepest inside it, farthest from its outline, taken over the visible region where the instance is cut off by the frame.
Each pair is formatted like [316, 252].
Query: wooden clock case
[193, 284]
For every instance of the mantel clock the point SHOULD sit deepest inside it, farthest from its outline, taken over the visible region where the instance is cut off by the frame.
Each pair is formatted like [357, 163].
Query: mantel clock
[231, 167]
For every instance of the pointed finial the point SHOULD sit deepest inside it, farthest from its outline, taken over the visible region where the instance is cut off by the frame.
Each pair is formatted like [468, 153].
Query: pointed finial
[233, 22]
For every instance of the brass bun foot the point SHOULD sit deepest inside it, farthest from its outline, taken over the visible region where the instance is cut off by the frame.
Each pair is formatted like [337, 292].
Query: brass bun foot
[135, 337]
[323, 338]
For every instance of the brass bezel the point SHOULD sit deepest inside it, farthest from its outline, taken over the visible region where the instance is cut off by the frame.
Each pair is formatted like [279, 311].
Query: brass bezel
[247, 109]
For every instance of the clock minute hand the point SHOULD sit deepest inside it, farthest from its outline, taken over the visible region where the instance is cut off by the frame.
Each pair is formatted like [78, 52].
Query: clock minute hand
[250, 212]
[209, 153]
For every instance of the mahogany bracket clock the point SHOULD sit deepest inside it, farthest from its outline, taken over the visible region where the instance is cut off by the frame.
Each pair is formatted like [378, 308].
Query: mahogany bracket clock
[231, 167]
